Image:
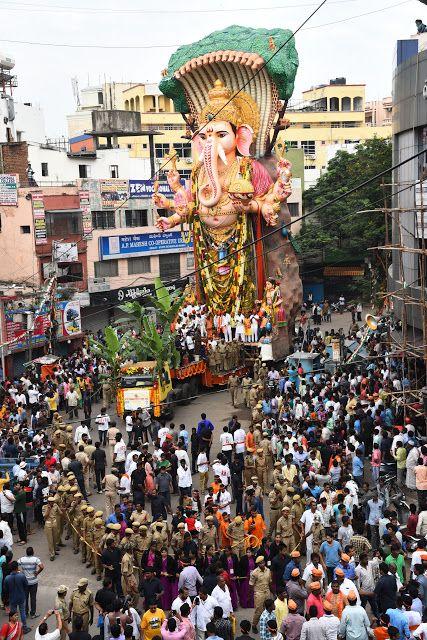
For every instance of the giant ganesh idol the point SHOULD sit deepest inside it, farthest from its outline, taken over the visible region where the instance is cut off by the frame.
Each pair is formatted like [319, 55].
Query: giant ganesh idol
[232, 93]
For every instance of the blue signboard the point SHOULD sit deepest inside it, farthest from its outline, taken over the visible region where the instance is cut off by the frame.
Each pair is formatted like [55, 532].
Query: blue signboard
[145, 189]
[141, 244]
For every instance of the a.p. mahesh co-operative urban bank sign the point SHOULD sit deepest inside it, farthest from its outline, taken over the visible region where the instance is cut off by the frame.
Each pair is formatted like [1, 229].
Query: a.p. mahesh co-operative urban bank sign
[141, 244]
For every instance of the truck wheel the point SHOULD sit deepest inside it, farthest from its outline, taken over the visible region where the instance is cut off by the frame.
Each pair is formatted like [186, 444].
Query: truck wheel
[186, 392]
[194, 387]
[170, 405]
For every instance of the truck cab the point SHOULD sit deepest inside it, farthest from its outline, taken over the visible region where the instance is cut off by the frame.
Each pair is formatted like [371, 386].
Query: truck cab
[141, 387]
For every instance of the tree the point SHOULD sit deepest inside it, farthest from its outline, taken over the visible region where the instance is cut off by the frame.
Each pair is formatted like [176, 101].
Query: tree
[114, 350]
[338, 231]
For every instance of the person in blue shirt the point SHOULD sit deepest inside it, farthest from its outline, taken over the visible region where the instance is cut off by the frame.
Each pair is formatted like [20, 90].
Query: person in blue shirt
[347, 567]
[204, 424]
[358, 468]
[330, 550]
[294, 563]
[115, 517]
[183, 435]
[399, 620]
[16, 586]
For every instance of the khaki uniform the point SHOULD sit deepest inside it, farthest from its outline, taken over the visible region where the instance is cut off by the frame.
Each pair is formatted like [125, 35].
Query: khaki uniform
[76, 519]
[276, 503]
[208, 535]
[246, 388]
[90, 527]
[98, 533]
[253, 397]
[129, 582]
[285, 530]
[142, 544]
[260, 581]
[81, 606]
[318, 532]
[233, 386]
[249, 469]
[265, 445]
[177, 540]
[262, 471]
[57, 514]
[50, 527]
[236, 532]
[106, 395]
[162, 536]
[62, 607]
[297, 510]
[84, 548]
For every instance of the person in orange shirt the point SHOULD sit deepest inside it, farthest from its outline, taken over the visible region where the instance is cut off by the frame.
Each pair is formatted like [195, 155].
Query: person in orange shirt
[216, 485]
[381, 631]
[255, 526]
[337, 599]
[223, 522]
[250, 440]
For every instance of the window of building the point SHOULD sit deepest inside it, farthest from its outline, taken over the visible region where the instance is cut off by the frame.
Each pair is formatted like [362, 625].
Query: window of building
[346, 104]
[190, 261]
[25, 229]
[350, 124]
[293, 209]
[309, 147]
[114, 170]
[161, 149]
[129, 146]
[306, 125]
[169, 266]
[136, 218]
[103, 219]
[139, 265]
[292, 144]
[144, 145]
[63, 223]
[45, 169]
[334, 104]
[84, 171]
[185, 173]
[183, 149]
[100, 97]
[335, 125]
[106, 269]
[358, 103]
[309, 166]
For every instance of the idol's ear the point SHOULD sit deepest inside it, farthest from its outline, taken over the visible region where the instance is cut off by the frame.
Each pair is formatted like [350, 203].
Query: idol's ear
[198, 145]
[244, 137]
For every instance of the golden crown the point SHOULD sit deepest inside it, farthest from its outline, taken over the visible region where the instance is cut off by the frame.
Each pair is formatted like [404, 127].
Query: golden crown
[224, 106]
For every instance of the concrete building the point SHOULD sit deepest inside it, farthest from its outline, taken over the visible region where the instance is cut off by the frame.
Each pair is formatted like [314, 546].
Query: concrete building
[329, 116]
[378, 113]
[410, 225]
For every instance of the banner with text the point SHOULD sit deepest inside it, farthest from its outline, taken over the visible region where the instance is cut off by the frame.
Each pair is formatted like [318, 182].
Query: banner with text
[84, 198]
[142, 244]
[40, 230]
[114, 193]
[145, 189]
[8, 190]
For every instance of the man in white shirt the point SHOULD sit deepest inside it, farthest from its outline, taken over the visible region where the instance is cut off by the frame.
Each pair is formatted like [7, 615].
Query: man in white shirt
[119, 453]
[226, 327]
[73, 400]
[239, 442]
[181, 454]
[185, 480]
[239, 320]
[221, 594]
[203, 469]
[33, 395]
[182, 598]
[80, 431]
[223, 500]
[202, 612]
[227, 442]
[103, 422]
[162, 433]
[307, 520]
[7, 533]
[223, 470]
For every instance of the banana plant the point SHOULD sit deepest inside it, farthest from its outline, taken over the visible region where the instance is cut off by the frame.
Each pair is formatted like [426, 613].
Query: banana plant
[114, 350]
[165, 304]
[158, 346]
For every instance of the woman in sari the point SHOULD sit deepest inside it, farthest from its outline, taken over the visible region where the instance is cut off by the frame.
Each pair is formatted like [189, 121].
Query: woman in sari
[246, 592]
[229, 562]
[168, 572]
[150, 484]
[13, 629]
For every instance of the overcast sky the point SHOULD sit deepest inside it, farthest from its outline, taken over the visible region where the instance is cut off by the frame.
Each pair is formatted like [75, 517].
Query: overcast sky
[361, 49]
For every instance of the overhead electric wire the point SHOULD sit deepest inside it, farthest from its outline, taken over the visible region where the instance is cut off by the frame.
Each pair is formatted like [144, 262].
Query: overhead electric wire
[172, 46]
[253, 76]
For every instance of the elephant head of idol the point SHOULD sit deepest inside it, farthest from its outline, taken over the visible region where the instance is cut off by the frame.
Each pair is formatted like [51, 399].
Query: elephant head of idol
[220, 137]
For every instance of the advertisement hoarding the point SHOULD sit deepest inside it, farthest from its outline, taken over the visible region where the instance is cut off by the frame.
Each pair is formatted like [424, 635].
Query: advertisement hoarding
[114, 193]
[141, 244]
[40, 230]
[8, 190]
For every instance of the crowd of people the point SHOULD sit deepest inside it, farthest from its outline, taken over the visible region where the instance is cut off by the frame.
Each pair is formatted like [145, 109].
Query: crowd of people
[295, 517]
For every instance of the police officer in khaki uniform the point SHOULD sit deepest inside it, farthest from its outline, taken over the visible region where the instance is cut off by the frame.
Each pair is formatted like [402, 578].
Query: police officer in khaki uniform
[129, 581]
[98, 532]
[233, 387]
[277, 471]
[253, 396]
[50, 526]
[236, 533]
[260, 580]
[62, 607]
[159, 532]
[69, 437]
[81, 604]
[143, 541]
[208, 533]
[177, 540]
[77, 513]
[90, 524]
[285, 528]
[261, 469]
[221, 352]
[246, 389]
[248, 468]
[86, 518]
[275, 501]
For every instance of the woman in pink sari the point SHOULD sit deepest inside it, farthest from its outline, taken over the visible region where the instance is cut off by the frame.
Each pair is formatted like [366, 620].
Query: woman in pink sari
[150, 484]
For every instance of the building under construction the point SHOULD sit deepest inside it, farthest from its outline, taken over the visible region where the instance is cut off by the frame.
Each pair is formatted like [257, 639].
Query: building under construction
[406, 241]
